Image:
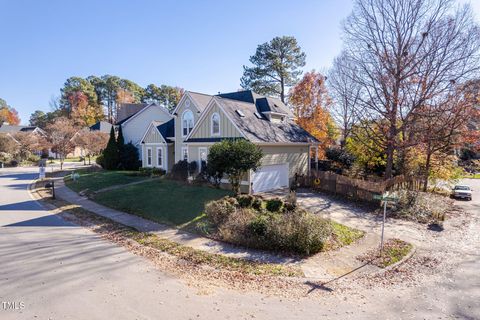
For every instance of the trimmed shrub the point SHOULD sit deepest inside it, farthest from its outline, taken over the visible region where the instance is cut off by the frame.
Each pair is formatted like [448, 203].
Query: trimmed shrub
[245, 201]
[288, 207]
[219, 211]
[192, 167]
[296, 231]
[180, 170]
[274, 205]
[300, 232]
[145, 171]
[257, 203]
[259, 226]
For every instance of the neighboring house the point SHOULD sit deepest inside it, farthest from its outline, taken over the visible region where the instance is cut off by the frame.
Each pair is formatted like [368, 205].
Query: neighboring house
[11, 130]
[102, 126]
[202, 120]
[133, 126]
[125, 110]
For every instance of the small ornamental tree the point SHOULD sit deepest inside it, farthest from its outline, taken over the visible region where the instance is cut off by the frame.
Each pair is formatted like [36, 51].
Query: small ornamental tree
[234, 158]
[93, 142]
[61, 132]
[110, 154]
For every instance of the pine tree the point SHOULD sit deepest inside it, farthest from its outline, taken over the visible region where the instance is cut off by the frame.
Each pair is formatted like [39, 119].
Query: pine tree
[110, 154]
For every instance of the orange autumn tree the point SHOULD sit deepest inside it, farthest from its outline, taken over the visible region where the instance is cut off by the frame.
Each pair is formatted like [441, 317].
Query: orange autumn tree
[8, 114]
[311, 103]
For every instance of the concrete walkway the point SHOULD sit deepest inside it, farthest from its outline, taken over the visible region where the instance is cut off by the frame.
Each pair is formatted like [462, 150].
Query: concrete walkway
[324, 265]
[163, 231]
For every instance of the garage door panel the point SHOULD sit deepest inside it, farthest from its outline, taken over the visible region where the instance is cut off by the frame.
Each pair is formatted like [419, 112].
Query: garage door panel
[270, 177]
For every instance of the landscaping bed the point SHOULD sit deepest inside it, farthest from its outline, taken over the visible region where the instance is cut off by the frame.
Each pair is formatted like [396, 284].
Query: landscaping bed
[273, 225]
[193, 257]
[394, 250]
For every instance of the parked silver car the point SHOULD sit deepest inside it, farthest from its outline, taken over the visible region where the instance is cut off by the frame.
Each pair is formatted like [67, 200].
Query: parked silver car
[462, 192]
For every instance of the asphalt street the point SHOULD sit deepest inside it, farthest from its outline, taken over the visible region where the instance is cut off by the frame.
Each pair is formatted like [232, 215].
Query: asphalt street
[52, 269]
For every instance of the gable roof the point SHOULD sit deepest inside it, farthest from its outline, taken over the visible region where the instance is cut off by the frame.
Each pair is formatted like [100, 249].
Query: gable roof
[142, 110]
[102, 126]
[14, 129]
[200, 101]
[261, 130]
[126, 110]
[254, 128]
[5, 128]
[167, 129]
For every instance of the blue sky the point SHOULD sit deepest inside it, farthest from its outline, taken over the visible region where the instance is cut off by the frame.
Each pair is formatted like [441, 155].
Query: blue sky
[198, 45]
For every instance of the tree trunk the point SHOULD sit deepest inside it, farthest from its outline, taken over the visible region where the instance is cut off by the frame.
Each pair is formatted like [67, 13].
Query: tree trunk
[282, 94]
[427, 170]
[389, 166]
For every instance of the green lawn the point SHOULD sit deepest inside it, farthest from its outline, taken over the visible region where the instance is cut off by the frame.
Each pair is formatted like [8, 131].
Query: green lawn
[164, 201]
[95, 181]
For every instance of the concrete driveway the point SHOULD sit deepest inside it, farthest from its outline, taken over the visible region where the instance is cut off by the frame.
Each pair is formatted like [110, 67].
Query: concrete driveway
[50, 269]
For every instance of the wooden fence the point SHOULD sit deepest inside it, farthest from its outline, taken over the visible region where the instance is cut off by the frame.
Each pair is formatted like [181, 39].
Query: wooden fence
[357, 189]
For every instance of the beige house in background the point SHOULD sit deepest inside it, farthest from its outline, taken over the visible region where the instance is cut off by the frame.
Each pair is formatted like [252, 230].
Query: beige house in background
[201, 120]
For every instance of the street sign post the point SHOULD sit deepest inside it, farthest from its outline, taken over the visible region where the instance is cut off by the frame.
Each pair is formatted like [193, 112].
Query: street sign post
[386, 197]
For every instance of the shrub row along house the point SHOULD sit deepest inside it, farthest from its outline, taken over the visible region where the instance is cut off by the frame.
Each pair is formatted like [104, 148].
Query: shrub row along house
[200, 120]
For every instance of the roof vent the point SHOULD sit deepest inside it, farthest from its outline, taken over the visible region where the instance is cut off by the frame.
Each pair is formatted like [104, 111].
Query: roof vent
[258, 115]
[240, 113]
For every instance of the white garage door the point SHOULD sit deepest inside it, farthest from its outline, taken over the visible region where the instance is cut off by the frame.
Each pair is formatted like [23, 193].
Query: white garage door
[271, 177]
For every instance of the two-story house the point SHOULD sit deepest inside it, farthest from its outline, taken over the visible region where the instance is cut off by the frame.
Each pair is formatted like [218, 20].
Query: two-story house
[200, 120]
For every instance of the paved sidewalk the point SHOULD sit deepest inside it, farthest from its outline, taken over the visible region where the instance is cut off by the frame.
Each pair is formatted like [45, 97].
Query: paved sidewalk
[324, 265]
[163, 231]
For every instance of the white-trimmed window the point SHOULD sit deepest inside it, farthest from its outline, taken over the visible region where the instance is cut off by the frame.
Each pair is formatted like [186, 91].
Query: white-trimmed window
[187, 122]
[185, 153]
[215, 124]
[160, 157]
[149, 156]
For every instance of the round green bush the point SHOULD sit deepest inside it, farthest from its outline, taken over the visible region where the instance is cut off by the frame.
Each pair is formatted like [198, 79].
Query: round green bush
[274, 205]
[259, 226]
[245, 201]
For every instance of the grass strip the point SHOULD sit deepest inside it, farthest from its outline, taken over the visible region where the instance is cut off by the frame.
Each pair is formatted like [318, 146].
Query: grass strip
[394, 250]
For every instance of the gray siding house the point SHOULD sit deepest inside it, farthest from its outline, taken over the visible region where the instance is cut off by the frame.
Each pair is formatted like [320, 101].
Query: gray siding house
[200, 120]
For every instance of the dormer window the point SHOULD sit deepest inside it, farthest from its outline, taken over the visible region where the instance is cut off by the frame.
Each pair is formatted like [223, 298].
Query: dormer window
[215, 124]
[187, 122]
